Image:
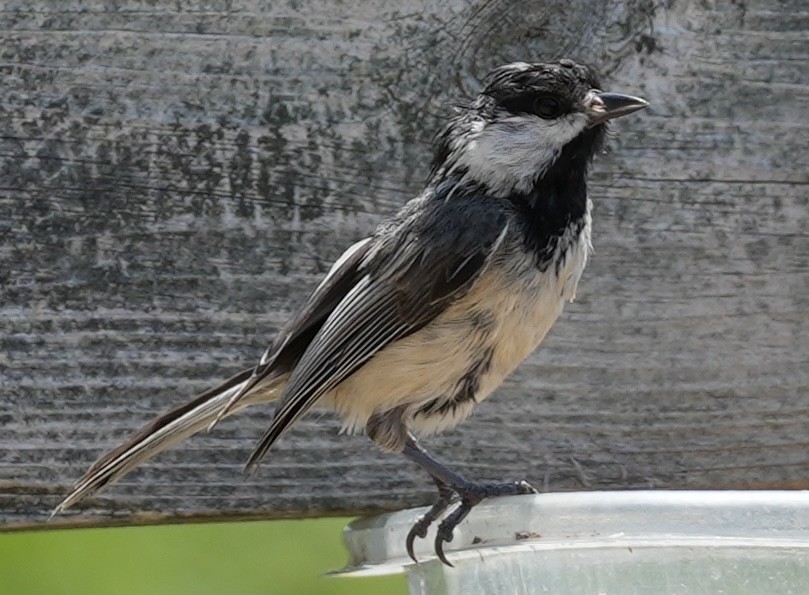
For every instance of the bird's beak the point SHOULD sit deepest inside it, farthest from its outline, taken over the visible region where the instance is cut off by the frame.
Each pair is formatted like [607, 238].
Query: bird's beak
[606, 106]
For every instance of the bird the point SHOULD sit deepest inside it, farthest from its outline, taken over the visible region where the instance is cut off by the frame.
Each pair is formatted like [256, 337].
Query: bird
[415, 325]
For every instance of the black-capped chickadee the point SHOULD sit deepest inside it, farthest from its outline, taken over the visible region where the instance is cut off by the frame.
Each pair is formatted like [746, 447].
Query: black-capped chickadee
[415, 325]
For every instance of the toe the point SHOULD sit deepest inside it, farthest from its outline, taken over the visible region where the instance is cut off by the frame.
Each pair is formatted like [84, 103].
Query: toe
[419, 529]
[439, 547]
[526, 488]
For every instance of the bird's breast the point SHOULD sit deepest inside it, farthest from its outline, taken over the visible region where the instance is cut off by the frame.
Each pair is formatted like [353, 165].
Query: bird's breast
[527, 302]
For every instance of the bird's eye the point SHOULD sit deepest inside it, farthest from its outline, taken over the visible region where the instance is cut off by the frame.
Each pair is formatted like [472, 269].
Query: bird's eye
[547, 106]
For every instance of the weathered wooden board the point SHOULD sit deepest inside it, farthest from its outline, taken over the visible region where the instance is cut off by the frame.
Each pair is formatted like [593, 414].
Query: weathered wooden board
[174, 180]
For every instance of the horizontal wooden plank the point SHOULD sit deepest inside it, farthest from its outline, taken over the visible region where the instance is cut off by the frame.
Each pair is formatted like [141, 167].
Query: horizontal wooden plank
[174, 181]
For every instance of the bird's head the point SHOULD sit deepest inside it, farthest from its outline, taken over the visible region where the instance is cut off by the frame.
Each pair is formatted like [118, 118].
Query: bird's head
[525, 119]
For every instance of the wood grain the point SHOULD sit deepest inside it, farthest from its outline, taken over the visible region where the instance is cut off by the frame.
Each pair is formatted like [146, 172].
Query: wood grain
[174, 181]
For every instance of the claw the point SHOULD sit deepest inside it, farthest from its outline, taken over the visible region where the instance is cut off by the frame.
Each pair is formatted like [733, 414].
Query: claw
[471, 495]
[447, 527]
[439, 551]
[419, 529]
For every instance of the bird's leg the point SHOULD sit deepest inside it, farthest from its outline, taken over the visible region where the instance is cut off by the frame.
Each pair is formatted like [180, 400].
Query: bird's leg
[450, 483]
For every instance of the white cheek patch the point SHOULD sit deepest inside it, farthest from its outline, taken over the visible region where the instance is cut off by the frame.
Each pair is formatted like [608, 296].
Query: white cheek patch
[511, 154]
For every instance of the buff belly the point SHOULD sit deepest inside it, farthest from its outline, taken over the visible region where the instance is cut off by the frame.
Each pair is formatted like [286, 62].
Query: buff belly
[503, 318]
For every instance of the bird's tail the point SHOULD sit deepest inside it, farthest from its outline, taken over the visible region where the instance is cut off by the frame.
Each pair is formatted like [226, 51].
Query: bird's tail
[165, 431]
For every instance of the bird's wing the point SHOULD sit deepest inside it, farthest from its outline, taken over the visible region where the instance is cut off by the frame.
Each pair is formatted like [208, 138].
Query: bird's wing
[295, 335]
[410, 272]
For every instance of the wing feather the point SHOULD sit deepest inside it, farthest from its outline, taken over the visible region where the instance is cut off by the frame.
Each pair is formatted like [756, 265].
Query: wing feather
[295, 336]
[414, 270]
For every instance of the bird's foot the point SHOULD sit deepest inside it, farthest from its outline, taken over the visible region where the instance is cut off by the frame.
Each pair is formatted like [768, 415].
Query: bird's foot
[470, 494]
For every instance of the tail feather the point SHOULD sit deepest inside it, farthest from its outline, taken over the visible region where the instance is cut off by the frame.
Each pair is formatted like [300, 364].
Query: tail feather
[163, 432]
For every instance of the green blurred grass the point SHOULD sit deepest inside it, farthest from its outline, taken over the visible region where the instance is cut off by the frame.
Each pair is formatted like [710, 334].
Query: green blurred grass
[267, 557]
